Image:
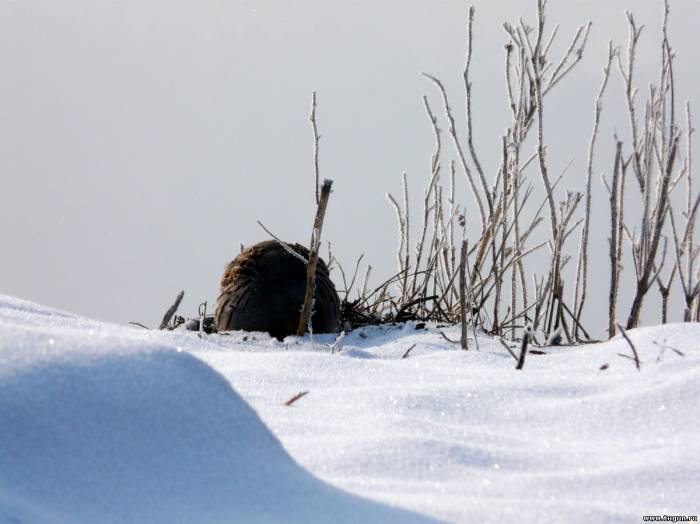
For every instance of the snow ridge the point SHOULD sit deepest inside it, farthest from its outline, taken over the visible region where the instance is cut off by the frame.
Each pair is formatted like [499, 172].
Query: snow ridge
[100, 425]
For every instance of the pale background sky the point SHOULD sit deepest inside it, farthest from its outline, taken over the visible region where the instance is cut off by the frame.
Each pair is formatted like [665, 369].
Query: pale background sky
[140, 141]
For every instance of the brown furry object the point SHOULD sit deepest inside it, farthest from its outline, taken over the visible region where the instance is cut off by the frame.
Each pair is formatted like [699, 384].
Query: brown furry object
[263, 290]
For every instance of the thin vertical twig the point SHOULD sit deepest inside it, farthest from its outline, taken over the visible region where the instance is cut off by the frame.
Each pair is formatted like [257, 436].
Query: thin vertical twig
[644, 280]
[615, 220]
[317, 139]
[202, 316]
[462, 158]
[468, 90]
[582, 268]
[407, 241]
[462, 293]
[307, 309]
[402, 238]
[523, 348]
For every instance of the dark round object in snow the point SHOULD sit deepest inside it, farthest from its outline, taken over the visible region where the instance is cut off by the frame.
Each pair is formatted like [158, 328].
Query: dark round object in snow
[263, 289]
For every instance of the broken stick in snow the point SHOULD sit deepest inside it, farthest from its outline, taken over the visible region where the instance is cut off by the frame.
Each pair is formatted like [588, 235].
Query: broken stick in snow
[306, 310]
[523, 347]
[296, 397]
[171, 311]
[405, 355]
[462, 291]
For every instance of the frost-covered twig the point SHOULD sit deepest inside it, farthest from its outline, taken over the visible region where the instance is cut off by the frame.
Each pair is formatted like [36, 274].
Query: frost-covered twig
[402, 236]
[468, 90]
[582, 268]
[282, 243]
[336, 345]
[460, 153]
[685, 249]
[202, 315]
[317, 139]
[616, 218]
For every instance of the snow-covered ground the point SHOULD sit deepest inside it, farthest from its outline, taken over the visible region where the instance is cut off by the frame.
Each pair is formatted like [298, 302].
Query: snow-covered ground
[105, 423]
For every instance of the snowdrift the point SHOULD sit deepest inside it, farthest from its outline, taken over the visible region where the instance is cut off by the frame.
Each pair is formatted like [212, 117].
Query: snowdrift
[464, 437]
[101, 423]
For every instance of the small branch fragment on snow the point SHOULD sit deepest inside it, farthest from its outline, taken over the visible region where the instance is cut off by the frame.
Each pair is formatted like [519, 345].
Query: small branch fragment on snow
[171, 311]
[523, 348]
[296, 397]
[442, 334]
[139, 324]
[405, 355]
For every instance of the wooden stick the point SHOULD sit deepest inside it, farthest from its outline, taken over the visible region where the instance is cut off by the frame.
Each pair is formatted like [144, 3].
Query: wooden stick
[296, 397]
[615, 219]
[582, 266]
[405, 355]
[462, 298]
[634, 349]
[171, 310]
[523, 349]
[442, 334]
[306, 313]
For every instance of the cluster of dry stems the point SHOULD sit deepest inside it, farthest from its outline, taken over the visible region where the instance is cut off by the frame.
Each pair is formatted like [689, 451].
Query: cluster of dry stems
[494, 291]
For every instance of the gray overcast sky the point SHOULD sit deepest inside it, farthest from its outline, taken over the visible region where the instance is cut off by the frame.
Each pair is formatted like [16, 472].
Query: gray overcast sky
[140, 141]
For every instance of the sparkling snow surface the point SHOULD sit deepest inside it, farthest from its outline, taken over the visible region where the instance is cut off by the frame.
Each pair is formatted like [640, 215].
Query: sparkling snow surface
[100, 423]
[464, 437]
[104, 423]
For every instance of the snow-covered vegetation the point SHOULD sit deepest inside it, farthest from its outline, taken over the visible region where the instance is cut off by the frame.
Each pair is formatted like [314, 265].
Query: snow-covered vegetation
[107, 423]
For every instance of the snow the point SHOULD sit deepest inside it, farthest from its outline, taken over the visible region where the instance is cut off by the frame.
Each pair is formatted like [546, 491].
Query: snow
[112, 423]
[99, 424]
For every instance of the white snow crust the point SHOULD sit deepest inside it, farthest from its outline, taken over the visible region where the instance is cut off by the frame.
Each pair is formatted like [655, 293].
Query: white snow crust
[105, 423]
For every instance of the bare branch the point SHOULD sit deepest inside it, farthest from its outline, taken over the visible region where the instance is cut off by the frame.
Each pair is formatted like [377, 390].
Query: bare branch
[307, 309]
